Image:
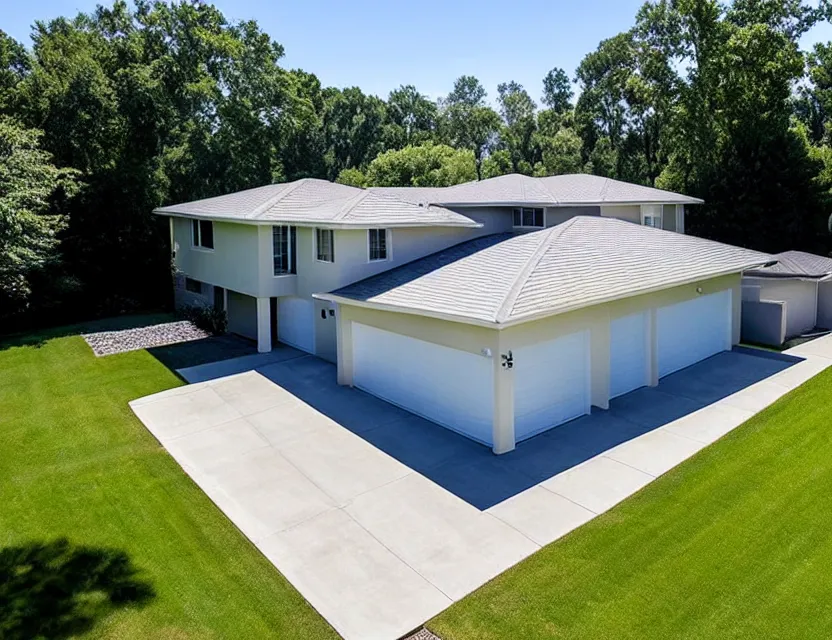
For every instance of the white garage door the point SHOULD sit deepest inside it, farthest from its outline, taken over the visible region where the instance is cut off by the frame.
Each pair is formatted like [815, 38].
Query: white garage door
[628, 354]
[451, 387]
[295, 322]
[693, 330]
[551, 384]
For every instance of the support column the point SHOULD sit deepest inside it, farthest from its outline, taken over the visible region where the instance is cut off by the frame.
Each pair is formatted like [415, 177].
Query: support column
[264, 326]
[343, 344]
[599, 364]
[652, 338]
[502, 435]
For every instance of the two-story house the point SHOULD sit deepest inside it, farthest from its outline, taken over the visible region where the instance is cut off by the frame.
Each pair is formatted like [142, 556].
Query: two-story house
[497, 308]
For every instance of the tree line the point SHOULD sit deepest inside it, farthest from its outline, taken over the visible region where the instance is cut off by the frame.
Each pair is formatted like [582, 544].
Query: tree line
[112, 113]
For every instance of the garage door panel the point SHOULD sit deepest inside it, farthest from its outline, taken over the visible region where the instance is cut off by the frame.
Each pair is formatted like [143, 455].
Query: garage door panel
[628, 354]
[693, 330]
[451, 387]
[296, 323]
[551, 384]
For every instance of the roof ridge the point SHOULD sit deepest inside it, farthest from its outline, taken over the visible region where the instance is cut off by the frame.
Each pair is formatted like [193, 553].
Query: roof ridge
[268, 204]
[603, 194]
[514, 291]
[350, 204]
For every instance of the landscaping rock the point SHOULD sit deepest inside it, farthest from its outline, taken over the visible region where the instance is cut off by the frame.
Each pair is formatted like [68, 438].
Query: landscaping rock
[107, 343]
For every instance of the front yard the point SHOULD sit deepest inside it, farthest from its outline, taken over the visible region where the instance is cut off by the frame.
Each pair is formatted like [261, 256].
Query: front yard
[733, 543]
[75, 463]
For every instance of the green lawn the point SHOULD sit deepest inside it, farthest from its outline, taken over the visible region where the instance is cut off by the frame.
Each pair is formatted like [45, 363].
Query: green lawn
[75, 463]
[734, 543]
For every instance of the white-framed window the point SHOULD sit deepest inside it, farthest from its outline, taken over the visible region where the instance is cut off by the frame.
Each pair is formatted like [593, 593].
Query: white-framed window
[325, 245]
[651, 215]
[284, 246]
[378, 244]
[202, 234]
[523, 217]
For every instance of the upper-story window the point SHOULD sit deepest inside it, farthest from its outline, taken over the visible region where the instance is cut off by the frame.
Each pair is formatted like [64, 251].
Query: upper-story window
[202, 234]
[377, 240]
[285, 245]
[651, 215]
[528, 217]
[325, 245]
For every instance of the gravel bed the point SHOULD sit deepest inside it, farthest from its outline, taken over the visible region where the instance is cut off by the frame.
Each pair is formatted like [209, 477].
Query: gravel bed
[107, 343]
[422, 634]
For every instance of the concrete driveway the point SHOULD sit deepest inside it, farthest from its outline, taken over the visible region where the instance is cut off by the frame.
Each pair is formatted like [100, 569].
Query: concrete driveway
[382, 519]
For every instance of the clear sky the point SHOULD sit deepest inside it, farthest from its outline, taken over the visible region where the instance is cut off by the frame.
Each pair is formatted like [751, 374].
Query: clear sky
[381, 44]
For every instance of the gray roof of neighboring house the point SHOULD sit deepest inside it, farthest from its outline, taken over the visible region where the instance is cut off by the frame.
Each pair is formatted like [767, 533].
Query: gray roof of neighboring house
[503, 279]
[565, 190]
[318, 202]
[796, 264]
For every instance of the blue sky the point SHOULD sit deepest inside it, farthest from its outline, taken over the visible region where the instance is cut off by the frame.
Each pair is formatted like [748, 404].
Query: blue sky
[379, 45]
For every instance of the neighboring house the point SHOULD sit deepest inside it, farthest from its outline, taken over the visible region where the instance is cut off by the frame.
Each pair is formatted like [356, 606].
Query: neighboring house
[787, 299]
[443, 301]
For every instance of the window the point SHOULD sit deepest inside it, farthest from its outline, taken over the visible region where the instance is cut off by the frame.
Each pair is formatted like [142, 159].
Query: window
[325, 245]
[202, 234]
[285, 243]
[528, 217]
[377, 240]
[194, 286]
[651, 215]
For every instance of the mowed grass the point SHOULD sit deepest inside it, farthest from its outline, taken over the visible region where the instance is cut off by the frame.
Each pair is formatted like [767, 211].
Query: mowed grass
[734, 543]
[76, 463]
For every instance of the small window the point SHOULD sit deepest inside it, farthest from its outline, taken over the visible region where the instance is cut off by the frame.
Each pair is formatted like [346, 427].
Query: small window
[194, 286]
[325, 245]
[284, 244]
[202, 234]
[532, 218]
[377, 239]
[651, 215]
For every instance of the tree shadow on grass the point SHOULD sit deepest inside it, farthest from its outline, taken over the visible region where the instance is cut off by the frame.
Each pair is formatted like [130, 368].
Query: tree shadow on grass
[57, 589]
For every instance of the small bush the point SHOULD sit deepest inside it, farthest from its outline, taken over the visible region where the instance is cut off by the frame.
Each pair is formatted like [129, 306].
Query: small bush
[209, 319]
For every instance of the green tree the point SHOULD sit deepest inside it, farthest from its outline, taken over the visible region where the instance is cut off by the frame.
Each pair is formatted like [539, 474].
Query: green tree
[428, 165]
[353, 128]
[31, 192]
[519, 117]
[353, 177]
[411, 117]
[562, 153]
[557, 91]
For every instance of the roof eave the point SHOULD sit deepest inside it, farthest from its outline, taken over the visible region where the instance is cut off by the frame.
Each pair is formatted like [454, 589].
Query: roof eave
[565, 203]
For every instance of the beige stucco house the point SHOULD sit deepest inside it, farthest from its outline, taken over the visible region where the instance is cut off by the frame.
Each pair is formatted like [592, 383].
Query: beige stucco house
[498, 309]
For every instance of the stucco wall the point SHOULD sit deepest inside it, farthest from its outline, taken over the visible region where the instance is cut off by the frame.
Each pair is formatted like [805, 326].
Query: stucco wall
[669, 217]
[233, 263]
[556, 215]
[764, 322]
[242, 314]
[825, 305]
[629, 212]
[800, 297]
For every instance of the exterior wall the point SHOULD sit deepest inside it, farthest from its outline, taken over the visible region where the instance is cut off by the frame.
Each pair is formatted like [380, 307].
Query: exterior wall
[184, 298]
[556, 215]
[764, 322]
[242, 315]
[326, 343]
[628, 212]
[800, 297]
[233, 263]
[475, 339]
[669, 217]
[825, 305]
[493, 219]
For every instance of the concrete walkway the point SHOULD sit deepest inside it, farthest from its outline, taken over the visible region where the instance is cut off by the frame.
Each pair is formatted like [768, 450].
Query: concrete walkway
[381, 519]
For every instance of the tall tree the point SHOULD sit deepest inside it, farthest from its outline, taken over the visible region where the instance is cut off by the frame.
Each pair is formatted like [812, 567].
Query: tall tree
[353, 128]
[411, 117]
[519, 116]
[557, 91]
[428, 165]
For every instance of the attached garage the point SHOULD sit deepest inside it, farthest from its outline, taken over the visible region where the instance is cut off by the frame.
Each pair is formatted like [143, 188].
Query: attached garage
[551, 384]
[693, 330]
[629, 353]
[296, 322]
[451, 387]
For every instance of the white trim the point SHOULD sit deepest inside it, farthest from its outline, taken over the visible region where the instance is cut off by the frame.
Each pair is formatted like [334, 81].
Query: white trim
[388, 245]
[289, 251]
[332, 245]
[319, 224]
[196, 239]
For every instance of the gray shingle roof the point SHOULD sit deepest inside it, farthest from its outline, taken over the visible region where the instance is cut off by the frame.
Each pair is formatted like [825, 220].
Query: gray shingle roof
[565, 190]
[796, 264]
[318, 202]
[587, 260]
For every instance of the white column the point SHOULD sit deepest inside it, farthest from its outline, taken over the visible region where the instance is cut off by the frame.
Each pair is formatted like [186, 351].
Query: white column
[652, 338]
[264, 326]
[599, 363]
[502, 434]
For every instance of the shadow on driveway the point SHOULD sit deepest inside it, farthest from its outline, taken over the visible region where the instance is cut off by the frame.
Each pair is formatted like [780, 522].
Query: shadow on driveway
[470, 471]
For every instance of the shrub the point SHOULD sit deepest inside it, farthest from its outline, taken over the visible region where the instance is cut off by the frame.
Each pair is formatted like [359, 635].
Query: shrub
[209, 319]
